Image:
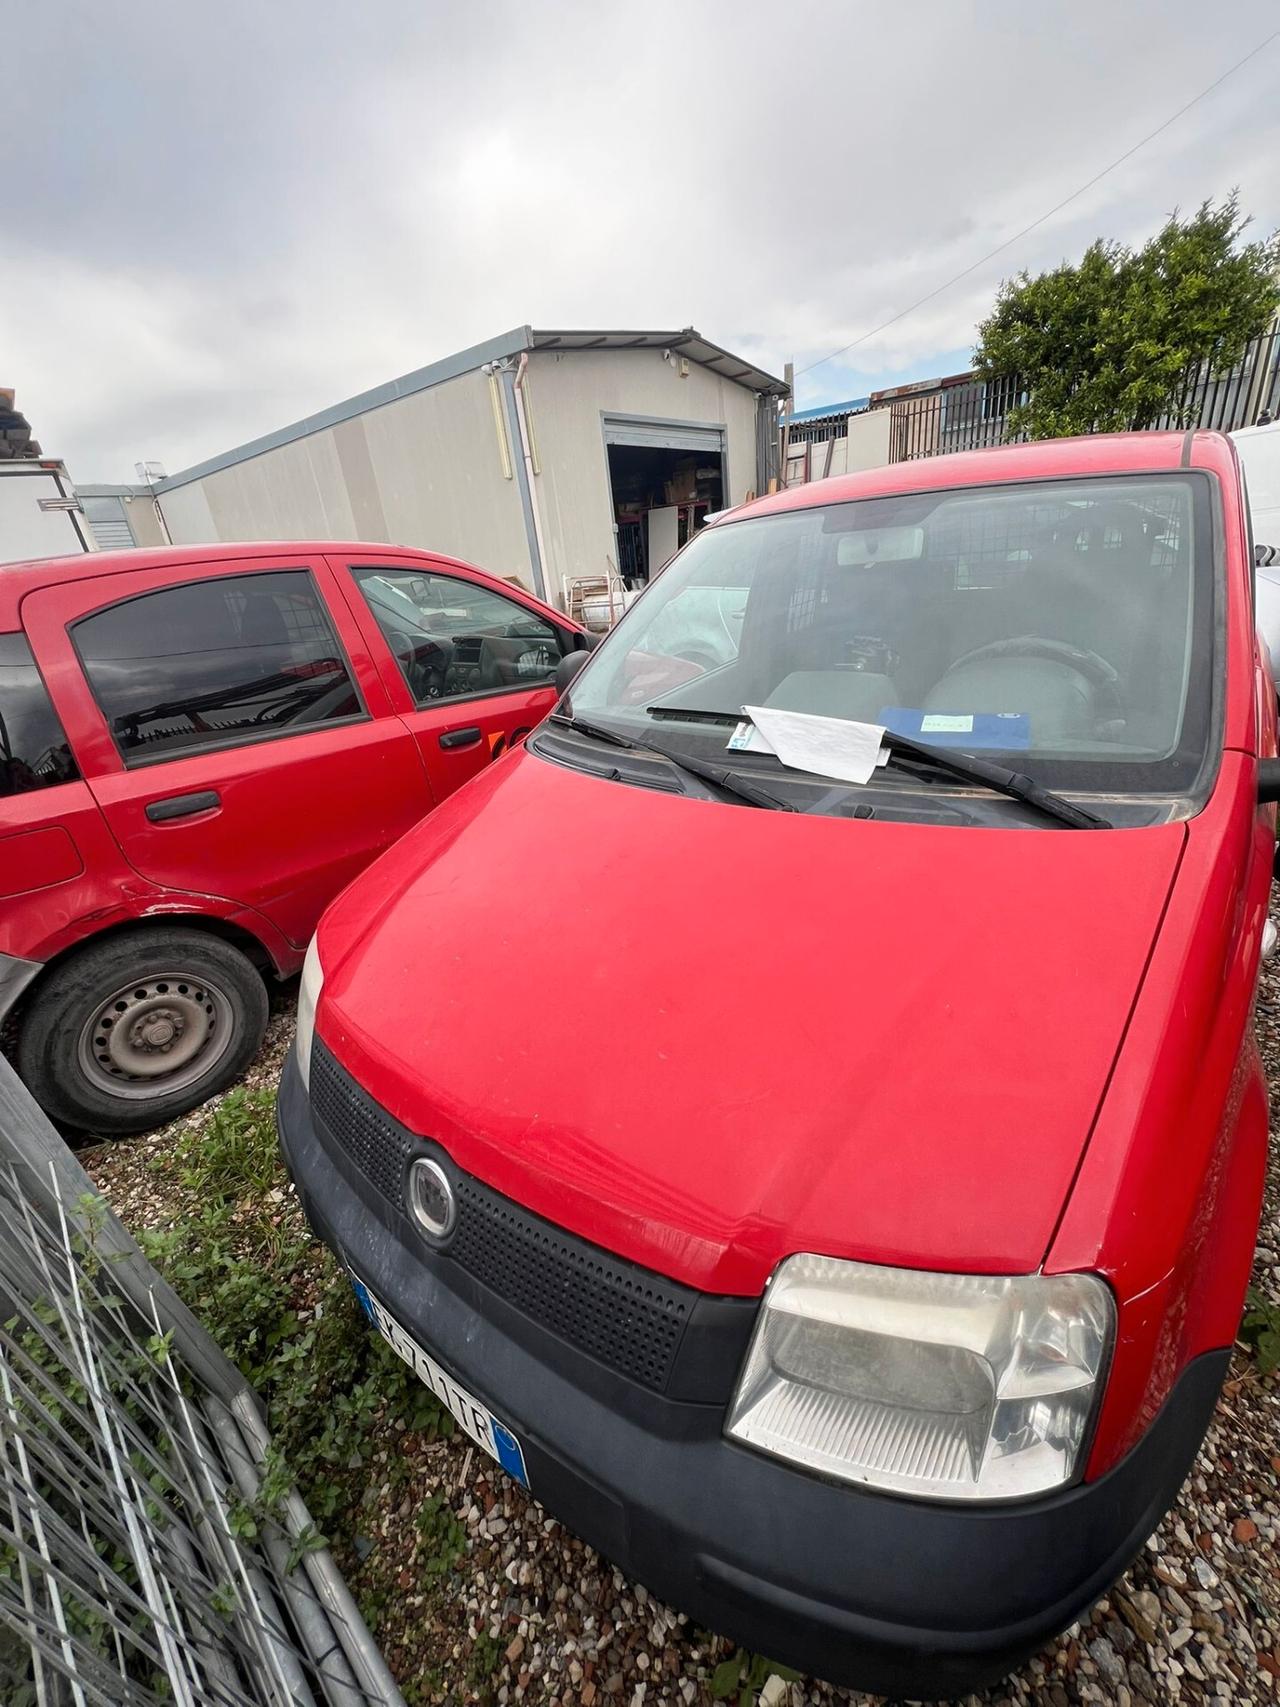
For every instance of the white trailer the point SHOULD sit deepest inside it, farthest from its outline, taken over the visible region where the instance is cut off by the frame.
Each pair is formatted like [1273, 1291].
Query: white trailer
[40, 515]
[1259, 449]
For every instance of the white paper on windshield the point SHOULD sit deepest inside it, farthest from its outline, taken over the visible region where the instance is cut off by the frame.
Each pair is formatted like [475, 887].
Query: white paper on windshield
[828, 746]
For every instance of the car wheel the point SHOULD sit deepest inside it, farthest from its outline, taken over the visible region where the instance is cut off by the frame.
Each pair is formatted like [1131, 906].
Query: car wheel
[133, 1031]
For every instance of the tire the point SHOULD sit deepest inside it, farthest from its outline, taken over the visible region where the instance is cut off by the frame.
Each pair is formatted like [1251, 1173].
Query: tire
[130, 1032]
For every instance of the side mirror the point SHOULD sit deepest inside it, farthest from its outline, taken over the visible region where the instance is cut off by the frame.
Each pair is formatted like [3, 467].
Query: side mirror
[1268, 779]
[572, 662]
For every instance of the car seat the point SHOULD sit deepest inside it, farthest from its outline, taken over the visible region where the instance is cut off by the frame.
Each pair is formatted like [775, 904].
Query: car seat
[859, 695]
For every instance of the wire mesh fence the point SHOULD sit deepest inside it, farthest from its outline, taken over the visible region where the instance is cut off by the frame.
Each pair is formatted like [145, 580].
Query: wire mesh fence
[150, 1549]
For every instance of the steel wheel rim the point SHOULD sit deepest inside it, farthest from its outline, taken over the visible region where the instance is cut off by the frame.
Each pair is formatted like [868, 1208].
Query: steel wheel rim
[156, 1034]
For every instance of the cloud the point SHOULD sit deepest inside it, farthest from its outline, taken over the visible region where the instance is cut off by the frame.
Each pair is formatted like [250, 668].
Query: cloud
[219, 217]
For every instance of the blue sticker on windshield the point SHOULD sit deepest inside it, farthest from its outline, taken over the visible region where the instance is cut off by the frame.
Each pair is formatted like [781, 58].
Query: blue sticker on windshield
[981, 729]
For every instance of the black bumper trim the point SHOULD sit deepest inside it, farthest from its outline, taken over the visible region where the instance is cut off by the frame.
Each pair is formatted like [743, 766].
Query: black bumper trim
[895, 1596]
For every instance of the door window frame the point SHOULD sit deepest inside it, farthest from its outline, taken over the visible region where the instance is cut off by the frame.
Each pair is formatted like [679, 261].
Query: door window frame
[394, 676]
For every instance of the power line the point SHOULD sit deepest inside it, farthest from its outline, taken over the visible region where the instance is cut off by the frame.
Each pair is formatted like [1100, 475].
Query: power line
[1056, 208]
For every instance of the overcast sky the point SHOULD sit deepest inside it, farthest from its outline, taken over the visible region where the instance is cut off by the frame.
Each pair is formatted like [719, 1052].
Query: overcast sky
[217, 216]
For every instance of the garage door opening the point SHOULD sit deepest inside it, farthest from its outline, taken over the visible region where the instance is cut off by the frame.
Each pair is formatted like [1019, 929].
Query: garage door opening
[661, 494]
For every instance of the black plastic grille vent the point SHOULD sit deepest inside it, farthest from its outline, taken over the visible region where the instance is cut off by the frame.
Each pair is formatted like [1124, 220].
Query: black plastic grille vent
[372, 1140]
[624, 1316]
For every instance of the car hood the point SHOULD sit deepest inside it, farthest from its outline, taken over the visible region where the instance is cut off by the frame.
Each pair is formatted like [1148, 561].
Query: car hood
[706, 1036]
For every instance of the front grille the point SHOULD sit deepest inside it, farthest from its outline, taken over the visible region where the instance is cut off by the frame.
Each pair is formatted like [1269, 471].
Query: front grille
[623, 1315]
[374, 1142]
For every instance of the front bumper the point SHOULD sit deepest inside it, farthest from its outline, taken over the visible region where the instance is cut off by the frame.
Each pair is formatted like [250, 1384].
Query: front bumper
[895, 1596]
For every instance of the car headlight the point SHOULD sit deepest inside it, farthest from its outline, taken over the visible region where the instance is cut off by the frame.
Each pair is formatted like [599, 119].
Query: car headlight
[308, 996]
[946, 1386]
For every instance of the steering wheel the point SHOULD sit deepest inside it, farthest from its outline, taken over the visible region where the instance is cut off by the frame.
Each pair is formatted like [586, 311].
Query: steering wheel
[1089, 664]
[426, 680]
[400, 643]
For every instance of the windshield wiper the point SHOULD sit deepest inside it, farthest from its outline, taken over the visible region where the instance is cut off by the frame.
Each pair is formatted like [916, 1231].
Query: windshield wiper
[964, 766]
[691, 714]
[967, 768]
[733, 786]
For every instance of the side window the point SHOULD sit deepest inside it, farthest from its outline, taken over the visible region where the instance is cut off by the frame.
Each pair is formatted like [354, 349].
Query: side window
[33, 749]
[451, 637]
[212, 663]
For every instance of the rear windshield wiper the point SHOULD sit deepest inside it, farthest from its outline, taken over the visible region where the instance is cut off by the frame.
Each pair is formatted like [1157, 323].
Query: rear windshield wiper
[733, 786]
[1013, 783]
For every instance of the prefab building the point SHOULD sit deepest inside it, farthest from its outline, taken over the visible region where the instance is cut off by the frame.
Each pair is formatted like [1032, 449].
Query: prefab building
[542, 456]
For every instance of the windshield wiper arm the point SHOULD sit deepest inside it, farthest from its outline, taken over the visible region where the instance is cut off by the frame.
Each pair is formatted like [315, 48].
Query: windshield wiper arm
[967, 768]
[733, 786]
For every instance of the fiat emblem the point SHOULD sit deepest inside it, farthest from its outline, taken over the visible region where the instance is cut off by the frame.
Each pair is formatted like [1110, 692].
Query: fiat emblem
[431, 1200]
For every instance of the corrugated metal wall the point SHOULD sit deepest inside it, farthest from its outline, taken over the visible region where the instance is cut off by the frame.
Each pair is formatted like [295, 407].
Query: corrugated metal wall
[108, 523]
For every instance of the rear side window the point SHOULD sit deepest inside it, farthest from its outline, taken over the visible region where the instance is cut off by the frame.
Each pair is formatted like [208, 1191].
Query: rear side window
[214, 663]
[33, 749]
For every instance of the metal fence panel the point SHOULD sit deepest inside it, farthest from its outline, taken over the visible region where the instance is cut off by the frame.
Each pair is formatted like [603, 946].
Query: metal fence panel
[973, 415]
[129, 1448]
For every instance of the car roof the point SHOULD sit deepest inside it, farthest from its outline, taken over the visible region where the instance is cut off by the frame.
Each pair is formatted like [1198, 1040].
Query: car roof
[19, 579]
[1046, 459]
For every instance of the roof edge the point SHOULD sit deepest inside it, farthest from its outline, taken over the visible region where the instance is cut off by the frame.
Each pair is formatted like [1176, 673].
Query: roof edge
[99, 490]
[421, 379]
[687, 340]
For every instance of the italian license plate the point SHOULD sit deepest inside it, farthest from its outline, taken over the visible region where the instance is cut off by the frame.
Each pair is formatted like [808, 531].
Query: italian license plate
[472, 1417]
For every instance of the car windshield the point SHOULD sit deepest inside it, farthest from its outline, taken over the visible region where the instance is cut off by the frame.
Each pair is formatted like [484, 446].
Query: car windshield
[1063, 629]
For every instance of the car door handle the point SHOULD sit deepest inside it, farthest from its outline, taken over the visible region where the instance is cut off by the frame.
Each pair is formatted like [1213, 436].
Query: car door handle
[183, 805]
[460, 737]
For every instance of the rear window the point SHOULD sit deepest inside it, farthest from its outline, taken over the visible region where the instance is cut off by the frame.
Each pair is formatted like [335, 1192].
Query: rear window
[33, 749]
[216, 662]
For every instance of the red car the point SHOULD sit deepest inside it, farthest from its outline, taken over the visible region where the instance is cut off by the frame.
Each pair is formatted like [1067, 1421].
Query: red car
[843, 1223]
[198, 749]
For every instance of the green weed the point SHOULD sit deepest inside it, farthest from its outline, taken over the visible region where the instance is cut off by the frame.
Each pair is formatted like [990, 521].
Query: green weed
[745, 1675]
[441, 1536]
[1261, 1330]
[242, 1258]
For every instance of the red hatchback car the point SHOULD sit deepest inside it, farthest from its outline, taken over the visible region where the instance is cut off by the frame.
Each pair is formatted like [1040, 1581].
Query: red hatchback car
[198, 749]
[850, 1237]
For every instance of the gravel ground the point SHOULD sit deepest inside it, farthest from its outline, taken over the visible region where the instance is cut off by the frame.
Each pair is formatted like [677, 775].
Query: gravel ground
[533, 1615]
